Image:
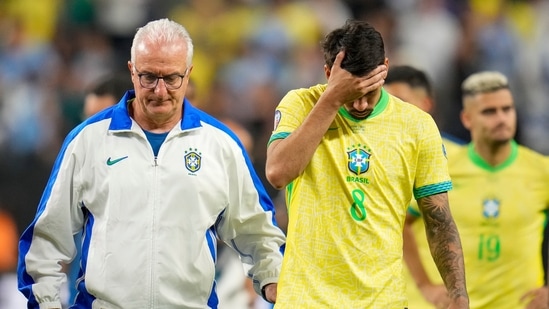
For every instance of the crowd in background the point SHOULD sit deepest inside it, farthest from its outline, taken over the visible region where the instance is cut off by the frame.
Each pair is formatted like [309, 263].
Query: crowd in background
[248, 53]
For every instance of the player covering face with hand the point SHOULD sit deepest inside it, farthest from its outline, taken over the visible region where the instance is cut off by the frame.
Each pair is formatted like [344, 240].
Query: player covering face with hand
[351, 157]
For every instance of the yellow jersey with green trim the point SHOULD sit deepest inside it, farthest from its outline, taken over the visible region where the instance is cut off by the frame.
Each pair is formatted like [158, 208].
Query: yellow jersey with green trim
[500, 213]
[346, 210]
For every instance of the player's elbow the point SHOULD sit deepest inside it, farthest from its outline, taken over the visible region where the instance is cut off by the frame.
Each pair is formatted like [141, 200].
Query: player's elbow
[279, 169]
[276, 177]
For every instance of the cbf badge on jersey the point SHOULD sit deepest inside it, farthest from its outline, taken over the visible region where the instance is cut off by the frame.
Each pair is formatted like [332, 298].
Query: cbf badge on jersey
[277, 117]
[490, 208]
[444, 151]
[193, 160]
[358, 160]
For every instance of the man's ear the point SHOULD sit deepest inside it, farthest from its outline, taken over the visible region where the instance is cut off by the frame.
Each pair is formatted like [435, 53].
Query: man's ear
[327, 71]
[428, 104]
[386, 63]
[465, 119]
[189, 69]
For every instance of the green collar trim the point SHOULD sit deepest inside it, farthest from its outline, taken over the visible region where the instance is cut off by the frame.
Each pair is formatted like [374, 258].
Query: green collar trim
[480, 162]
[378, 109]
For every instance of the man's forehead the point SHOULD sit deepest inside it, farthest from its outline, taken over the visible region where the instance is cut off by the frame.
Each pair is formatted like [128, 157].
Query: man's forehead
[495, 99]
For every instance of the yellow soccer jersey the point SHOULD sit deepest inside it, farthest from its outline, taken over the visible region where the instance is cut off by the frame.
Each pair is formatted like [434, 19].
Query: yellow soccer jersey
[500, 214]
[347, 209]
[415, 298]
[500, 217]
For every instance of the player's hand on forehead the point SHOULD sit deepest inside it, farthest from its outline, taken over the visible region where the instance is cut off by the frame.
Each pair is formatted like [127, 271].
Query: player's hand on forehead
[375, 79]
[348, 87]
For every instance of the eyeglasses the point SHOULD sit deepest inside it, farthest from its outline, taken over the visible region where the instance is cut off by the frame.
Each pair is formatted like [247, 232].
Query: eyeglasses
[150, 81]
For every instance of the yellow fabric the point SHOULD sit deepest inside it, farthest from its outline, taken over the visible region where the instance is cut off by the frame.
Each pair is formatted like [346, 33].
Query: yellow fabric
[301, 22]
[500, 216]
[344, 245]
[38, 18]
[218, 32]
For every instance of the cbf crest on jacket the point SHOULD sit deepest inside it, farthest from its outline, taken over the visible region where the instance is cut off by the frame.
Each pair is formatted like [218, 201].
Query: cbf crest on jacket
[150, 223]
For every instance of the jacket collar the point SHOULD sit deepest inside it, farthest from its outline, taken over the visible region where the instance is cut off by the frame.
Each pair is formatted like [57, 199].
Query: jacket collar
[121, 120]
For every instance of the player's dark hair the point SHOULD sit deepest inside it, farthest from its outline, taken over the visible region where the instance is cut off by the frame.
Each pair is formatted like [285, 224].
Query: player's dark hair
[115, 84]
[362, 43]
[411, 76]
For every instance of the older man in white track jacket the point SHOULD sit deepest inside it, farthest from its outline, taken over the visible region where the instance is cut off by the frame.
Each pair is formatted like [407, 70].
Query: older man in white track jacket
[151, 183]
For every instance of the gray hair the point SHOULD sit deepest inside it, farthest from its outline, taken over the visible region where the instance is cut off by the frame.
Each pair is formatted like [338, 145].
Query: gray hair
[163, 31]
[483, 82]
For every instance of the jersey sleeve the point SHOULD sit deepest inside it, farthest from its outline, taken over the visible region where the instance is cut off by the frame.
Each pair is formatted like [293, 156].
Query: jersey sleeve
[289, 115]
[432, 175]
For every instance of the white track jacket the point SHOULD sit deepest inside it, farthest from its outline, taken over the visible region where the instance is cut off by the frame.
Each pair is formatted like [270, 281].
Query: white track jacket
[149, 223]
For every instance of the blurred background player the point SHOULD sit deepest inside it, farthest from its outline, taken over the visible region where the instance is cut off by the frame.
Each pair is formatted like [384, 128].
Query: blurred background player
[499, 201]
[106, 92]
[413, 86]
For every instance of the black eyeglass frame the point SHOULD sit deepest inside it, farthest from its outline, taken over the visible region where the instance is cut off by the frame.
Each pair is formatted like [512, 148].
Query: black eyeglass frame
[158, 78]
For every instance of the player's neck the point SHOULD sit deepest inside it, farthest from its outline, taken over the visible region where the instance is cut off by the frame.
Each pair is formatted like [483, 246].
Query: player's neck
[493, 154]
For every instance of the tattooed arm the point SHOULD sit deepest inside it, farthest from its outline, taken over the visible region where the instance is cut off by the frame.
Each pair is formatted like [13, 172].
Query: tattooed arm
[435, 294]
[445, 245]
